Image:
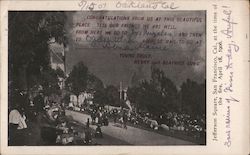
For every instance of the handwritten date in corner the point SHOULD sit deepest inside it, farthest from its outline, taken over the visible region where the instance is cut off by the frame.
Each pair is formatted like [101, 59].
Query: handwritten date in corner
[90, 6]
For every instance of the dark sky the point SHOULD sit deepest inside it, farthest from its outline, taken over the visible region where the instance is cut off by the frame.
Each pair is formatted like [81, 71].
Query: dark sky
[107, 64]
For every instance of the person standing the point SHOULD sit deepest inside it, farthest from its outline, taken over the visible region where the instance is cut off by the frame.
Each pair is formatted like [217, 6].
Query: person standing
[98, 132]
[125, 119]
[88, 136]
[88, 122]
[39, 102]
[115, 114]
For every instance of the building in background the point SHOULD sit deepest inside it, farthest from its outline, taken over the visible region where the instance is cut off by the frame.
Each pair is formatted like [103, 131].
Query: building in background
[57, 59]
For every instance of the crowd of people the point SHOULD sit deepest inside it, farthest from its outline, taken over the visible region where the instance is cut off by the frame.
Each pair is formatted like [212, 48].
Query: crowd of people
[169, 121]
[56, 129]
[101, 116]
[194, 126]
[52, 125]
[172, 121]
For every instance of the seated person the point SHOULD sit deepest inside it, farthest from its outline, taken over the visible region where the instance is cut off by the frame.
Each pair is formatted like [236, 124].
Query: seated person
[63, 126]
[17, 120]
[67, 135]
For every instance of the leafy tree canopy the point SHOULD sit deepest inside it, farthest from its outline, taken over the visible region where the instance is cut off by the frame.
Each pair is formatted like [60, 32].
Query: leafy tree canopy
[29, 36]
[80, 80]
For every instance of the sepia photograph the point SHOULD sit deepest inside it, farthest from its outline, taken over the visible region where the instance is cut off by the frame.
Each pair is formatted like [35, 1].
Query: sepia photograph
[107, 78]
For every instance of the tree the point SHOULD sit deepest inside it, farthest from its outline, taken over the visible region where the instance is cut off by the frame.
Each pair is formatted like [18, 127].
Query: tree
[100, 98]
[60, 73]
[163, 84]
[157, 95]
[77, 80]
[112, 95]
[94, 83]
[80, 80]
[166, 88]
[193, 97]
[50, 81]
[28, 40]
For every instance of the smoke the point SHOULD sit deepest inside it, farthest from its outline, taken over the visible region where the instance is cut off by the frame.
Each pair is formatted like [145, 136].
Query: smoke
[107, 64]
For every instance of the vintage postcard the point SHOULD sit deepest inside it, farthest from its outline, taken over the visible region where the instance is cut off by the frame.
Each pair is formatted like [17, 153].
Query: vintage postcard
[124, 77]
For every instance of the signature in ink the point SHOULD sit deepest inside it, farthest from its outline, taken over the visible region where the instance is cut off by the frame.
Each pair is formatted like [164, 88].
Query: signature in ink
[229, 31]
